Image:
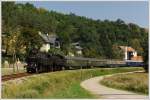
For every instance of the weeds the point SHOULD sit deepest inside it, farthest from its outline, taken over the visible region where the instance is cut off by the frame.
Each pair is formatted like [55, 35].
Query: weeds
[136, 82]
[63, 84]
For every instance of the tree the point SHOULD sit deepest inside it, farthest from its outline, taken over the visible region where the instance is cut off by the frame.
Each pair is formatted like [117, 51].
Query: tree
[97, 37]
[13, 46]
[117, 52]
[120, 22]
[31, 38]
[135, 43]
[145, 52]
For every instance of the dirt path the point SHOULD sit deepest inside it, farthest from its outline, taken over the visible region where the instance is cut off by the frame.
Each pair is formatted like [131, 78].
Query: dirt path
[92, 85]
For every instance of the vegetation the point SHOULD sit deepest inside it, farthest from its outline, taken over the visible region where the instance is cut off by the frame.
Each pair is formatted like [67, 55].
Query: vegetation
[63, 84]
[145, 53]
[9, 71]
[136, 82]
[56, 51]
[21, 23]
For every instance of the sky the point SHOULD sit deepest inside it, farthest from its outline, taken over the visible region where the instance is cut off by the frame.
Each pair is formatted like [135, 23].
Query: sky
[129, 11]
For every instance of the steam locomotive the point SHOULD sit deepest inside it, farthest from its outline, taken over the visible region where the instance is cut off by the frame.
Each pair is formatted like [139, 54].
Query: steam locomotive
[44, 62]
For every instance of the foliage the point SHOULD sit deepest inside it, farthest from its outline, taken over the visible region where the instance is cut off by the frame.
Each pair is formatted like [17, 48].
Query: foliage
[56, 51]
[146, 52]
[117, 52]
[95, 36]
[5, 70]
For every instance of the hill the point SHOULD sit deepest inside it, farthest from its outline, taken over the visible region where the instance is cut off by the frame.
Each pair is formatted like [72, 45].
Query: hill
[21, 23]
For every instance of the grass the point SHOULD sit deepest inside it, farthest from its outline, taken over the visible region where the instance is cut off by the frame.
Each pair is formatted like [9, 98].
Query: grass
[8, 71]
[63, 84]
[135, 82]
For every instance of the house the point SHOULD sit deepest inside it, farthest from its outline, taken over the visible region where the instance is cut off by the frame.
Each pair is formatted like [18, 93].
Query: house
[50, 41]
[71, 54]
[130, 54]
[77, 48]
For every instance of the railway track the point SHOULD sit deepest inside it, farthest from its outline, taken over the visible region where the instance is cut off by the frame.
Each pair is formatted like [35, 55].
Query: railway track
[14, 76]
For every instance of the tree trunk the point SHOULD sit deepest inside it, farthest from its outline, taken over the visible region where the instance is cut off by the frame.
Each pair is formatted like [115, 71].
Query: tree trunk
[14, 61]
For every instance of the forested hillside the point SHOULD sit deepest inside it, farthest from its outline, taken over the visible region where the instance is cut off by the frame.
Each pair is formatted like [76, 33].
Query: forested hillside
[21, 23]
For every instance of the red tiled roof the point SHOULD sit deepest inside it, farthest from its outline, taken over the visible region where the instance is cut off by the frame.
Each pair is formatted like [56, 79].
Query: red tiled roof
[128, 48]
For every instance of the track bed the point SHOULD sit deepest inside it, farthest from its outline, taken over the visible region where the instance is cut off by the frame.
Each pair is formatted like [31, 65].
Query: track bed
[14, 76]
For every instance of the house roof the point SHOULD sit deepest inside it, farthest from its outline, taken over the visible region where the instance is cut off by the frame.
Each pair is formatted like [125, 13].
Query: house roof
[77, 45]
[48, 38]
[128, 48]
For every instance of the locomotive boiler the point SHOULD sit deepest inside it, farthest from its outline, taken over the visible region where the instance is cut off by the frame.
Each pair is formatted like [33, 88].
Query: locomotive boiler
[44, 62]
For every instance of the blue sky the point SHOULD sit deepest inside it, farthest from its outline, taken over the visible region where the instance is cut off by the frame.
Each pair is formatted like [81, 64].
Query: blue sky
[129, 11]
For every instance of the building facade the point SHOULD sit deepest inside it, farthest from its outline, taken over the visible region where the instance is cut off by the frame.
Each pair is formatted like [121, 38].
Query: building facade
[50, 41]
[131, 54]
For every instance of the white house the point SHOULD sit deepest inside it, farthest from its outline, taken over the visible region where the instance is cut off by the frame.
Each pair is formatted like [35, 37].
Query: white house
[45, 47]
[77, 47]
[130, 53]
[49, 41]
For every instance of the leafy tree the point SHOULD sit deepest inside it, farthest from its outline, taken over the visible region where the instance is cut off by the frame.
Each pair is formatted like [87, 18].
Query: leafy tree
[31, 38]
[135, 43]
[117, 52]
[98, 38]
[146, 52]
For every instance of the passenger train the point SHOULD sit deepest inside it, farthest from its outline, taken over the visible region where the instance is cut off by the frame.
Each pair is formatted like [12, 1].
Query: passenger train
[38, 62]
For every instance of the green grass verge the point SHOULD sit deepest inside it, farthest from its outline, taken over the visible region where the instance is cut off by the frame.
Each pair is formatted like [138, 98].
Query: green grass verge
[9, 71]
[135, 82]
[63, 84]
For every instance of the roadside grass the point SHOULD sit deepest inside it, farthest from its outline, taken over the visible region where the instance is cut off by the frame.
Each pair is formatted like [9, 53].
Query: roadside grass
[62, 84]
[135, 82]
[9, 71]
[73, 91]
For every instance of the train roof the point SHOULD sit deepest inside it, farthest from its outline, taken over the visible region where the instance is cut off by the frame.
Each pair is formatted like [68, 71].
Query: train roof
[90, 59]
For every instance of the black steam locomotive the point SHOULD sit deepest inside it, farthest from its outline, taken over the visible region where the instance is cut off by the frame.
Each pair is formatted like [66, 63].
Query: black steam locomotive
[44, 62]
